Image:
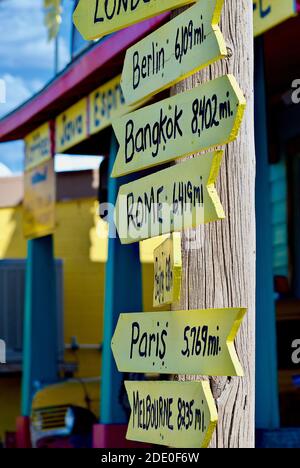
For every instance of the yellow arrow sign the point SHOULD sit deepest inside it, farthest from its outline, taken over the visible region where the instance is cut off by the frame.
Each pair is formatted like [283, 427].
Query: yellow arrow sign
[97, 18]
[199, 342]
[167, 271]
[188, 43]
[270, 13]
[187, 123]
[172, 200]
[174, 414]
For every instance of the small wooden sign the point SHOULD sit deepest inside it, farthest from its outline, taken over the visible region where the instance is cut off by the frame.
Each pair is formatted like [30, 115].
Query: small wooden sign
[173, 414]
[39, 200]
[38, 147]
[270, 13]
[207, 116]
[72, 126]
[188, 43]
[196, 342]
[167, 271]
[172, 200]
[106, 104]
[98, 18]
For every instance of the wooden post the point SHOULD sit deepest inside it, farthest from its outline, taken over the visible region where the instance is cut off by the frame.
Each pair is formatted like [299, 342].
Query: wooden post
[219, 265]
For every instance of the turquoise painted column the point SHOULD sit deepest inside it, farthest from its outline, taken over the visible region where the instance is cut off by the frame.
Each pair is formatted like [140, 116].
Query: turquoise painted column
[267, 398]
[40, 350]
[123, 293]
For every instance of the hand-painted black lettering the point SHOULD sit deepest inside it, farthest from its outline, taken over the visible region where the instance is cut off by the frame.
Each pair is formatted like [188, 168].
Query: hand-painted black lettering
[135, 334]
[187, 38]
[146, 344]
[152, 136]
[199, 341]
[144, 208]
[152, 413]
[109, 9]
[187, 195]
[209, 112]
[148, 65]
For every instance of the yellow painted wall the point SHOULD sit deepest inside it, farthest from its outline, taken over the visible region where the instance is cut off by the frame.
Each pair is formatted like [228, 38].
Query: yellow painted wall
[76, 243]
[81, 242]
[12, 245]
[12, 242]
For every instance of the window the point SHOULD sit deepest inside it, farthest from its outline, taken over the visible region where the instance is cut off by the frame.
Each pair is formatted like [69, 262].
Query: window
[12, 300]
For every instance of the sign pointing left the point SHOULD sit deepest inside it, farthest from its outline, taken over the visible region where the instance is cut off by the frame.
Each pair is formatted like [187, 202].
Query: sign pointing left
[97, 18]
[174, 414]
[204, 117]
[196, 342]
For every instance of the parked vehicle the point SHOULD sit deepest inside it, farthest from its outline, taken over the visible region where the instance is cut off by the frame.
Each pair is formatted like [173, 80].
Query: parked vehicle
[63, 414]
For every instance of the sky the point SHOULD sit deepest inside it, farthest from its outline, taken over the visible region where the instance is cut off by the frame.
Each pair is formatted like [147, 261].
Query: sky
[26, 60]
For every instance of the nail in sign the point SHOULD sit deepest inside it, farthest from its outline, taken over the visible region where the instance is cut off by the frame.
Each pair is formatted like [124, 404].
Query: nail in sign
[172, 200]
[188, 43]
[97, 18]
[196, 342]
[167, 271]
[207, 116]
[173, 414]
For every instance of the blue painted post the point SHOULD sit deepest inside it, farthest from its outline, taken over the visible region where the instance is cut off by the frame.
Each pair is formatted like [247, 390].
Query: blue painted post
[123, 293]
[267, 399]
[40, 351]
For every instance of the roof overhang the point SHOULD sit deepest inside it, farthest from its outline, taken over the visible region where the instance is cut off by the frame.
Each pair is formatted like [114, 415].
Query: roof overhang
[104, 61]
[99, 64]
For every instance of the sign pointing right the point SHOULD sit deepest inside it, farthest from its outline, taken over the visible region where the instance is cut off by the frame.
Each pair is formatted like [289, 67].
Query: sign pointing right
[188, 43]
[178, 198]
[175, 414]
[207, 116]
[197, 342]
